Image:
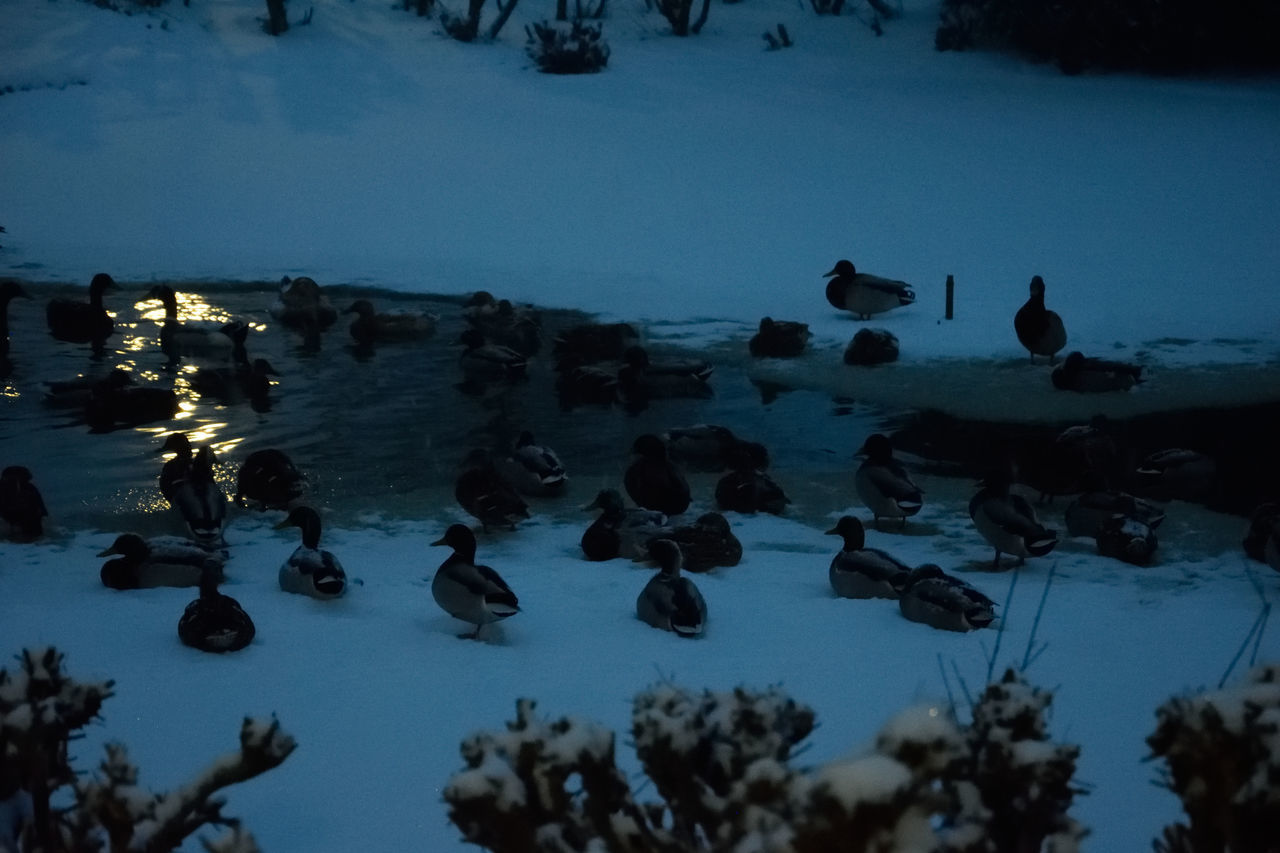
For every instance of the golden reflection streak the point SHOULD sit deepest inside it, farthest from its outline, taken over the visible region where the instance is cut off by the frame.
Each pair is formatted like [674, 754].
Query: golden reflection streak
[191, 308]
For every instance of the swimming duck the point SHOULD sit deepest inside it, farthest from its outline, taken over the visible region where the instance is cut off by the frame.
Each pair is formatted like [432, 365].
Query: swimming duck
[1086, 515]
[593, 342]
[1039, 329]
[483, 492]
[76, 393]
[1262, 540]
[710, 447]
[116, 402]
[1008, 521]
[1094, 375]
[870, 347]
[82, 322]
[482, 361]
[620, 531]
[707, 543]
[779, 338]
[670, 601]
[579, 383]
[371, 327]
[503, 323]
[1129, 539]
[466, 590]
[179, 339]
[883, 483]
[640, 379]
[188, 484]
[231, 385]
[1177, 474]
[865, 294]
[746, 488]
[532, 468]
[269, 479]
[942, 601]
[861, 572]
[310, 570]
[303, 307]
[215, 622]
[653, 481]
[21, 505]
[158, 561]
[8, 290]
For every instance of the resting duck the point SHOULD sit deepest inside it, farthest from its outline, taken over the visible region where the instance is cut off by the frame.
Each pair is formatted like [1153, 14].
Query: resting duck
[709, 447]
[861, 572]
[503, 323]
[116, 402]
[178, 339]
[269, 479]
[1094, 375]
[865, 294]
[870, 347]
[620, 531]
[670, 601]
[1039, 329]
[706, 544]
[187, 483]
[883, 483]
[532, 468]
[482, 361]
[8, 290]
[1008, 521]
[466, 590]
[83, 322]
[159, 561]
[215, 622]
[579, 383]
[779, 338]
[302, 306]
[21, 505]
[1129, 539]
[1177, 474]
[942, 601]
[310, 570]
[593, 342]
[371, 327]
[1086, 515]
[640, 379]
[747, 488]
[483, 492]
[1262, 540]
[653, 481]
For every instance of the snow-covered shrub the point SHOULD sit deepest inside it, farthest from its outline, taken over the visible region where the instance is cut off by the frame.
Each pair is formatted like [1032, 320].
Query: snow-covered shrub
[467, 28]
[41, 710]
[677, 14]
[1222, 756]
[581, 49]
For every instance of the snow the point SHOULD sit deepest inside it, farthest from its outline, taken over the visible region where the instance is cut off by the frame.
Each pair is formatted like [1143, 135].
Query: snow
[693, 186]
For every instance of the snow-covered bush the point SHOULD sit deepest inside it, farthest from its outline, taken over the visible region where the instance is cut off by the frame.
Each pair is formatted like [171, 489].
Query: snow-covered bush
[467, 28]
[580, 49]
[1222, 756]
[46, 805]
[677, 14]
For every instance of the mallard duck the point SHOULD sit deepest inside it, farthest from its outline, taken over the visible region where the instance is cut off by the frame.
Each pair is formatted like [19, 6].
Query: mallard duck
[669, 600]
[21, 505]
[865, 294]
[215, 622]
[187, 483]
[871, 346]
[532, 468]
[482, 361]
[710, 447]
[466, 590]
[861, 572]
[883, 483]
[115, 402]
[942, 601]
[158, 561]
[1039, 329]
[1177, 474]
[620, 531]
[1008, 521]
[706, 544]
[8, 290]
[269, 479]
[77, 393]
[310, 570]
[483, 492]
[1094, 375]
[1086, 515]
[179, 339]
[641, 379]
[779, 338]
[502, 322]
[593, 342]
[1262, 539]
[231, 385]
[747, 488]
[83, 322]
[373, 327]
[1129, 539]
[579, 383]
[653, 481]
[303, 307]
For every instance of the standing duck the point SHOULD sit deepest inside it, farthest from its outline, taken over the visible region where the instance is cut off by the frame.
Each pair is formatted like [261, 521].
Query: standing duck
[942, 601]
[158, 561]
[484, 493]
[466, 590]
[215, 622]
[1039, 329]
[1094, 375]
[310, 570]
[1008, 521]
[706, 544]
[178, 339]
[269, 479]
[620, 531]
[864, 294]
[861, 572]
[669, 600]
[883, 483]
[372, 327]
[653, 481]
[779, 339]
[532, 468]
[21, 505]
[83, 322]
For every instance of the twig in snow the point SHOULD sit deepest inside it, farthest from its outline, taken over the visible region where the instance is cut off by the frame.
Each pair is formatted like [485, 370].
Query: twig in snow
[1027, 657]
[991, 661]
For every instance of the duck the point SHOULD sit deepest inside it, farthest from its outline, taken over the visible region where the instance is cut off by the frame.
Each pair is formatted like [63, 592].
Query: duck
[76, 393]
[179, 339]
[709, 447]
[79, 322]
[1262, 539]
[870, 347]
[142, 563]
[269, 479]
[482, 361]
[595, 342]
[1177, 473]
[484, 493]
[882, 483]
[1039, 330]
[579, 383]
[669, 600]
[640, 379]
[372, 327]
[467, 590]
[21, 505]
[706, 543]
[1086, 515]
[117, 402]
[187, 482]
[215, 622]
[653, 481]
[860, 572]
[1094, 375]
[8, 290]
[1008, 521]
[1128, 539]
[620, 531]
[310, 570]
[519, 328]
[533, 469]
[228, 386]
[943, 601]
[747, 488]
[779, 339]
[303, 307]
[864, 294]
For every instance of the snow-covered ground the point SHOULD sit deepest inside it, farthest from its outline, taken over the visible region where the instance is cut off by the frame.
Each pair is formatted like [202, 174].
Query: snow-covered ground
[695, 185]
